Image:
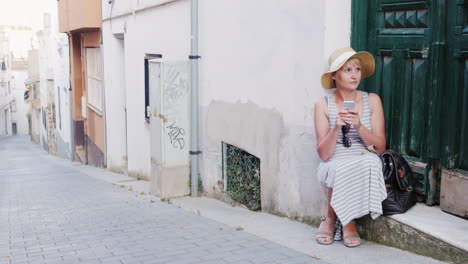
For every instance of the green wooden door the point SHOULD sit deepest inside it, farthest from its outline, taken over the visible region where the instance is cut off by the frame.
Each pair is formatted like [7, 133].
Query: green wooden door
[455, 93]
[421, 75]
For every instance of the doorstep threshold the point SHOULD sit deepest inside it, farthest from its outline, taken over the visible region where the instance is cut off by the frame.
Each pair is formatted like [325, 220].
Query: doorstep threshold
[433, 221]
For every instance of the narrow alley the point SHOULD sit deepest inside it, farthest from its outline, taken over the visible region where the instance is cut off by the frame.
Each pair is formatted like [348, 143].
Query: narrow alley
[50, 212]
[192, 131]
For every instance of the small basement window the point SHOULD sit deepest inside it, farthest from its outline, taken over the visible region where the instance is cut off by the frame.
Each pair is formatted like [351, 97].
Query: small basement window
[242, 176]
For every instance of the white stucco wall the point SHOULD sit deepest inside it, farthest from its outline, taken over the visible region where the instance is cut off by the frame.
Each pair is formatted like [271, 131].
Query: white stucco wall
[337, 31]
[259, 78]
[61, 73]
[115, 99]
[157, 27]
[270, 54]
[20, 115]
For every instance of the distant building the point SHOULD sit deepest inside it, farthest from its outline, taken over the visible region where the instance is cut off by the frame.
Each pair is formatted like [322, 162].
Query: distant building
[32, 96]
[46, 83]
[19, 107]
[5, 100]
[14, 44]
[48, 92]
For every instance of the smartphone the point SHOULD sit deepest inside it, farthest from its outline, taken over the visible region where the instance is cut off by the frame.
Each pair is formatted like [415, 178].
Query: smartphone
[348, 105]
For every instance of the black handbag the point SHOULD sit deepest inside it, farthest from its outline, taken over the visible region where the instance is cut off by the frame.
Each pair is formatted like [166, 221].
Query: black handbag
[399, 181]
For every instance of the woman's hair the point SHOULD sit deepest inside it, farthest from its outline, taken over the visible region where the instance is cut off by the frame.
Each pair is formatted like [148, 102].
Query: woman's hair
[354, 60]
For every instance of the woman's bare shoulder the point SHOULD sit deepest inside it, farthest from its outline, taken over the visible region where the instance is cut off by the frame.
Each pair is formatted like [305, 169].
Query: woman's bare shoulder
[321, 105]
[374, 102]
[374, 98]
[321, 102]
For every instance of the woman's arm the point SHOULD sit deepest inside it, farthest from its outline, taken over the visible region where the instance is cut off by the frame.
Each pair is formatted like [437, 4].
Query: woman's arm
[326, 138]
[377, 136]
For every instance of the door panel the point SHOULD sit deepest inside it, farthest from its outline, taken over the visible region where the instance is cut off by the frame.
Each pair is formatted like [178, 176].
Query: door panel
[455, 121]
[402, 84]
[400, 37]
[169, 84]
[155, 108]
[400, 24]
[418, 110]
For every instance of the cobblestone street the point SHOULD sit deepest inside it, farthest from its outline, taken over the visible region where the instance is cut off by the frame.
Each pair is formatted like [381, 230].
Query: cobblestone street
[52, 213]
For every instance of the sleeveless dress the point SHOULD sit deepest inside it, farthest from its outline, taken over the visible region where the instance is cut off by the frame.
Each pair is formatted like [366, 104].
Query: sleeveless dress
[354, 173]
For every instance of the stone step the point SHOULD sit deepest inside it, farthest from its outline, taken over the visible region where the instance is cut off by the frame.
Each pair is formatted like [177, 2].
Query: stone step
[81, 154]
[424, 230]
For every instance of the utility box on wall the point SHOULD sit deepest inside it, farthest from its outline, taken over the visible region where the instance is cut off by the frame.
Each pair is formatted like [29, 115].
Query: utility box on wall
[169, 89]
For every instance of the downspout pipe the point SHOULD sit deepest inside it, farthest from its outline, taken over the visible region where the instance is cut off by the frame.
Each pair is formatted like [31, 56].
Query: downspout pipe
[194, 151]
[104, 111]
[70, 97]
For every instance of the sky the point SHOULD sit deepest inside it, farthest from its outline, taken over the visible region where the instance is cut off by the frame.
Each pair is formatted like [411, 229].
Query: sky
[27, 13]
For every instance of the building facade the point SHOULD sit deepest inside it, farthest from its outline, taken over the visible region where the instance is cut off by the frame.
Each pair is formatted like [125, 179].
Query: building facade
[81, 21]
[258, 81]
[146, 66]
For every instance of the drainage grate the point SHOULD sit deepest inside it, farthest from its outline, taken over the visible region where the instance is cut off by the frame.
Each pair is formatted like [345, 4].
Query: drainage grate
[242, 173]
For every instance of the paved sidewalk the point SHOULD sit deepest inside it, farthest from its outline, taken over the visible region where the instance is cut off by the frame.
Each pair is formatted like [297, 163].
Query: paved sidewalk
[291, 234]
[56, 211]
[52, 212]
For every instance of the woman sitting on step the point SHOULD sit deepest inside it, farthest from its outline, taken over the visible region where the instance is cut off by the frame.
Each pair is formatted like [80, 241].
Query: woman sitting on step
[350, 130]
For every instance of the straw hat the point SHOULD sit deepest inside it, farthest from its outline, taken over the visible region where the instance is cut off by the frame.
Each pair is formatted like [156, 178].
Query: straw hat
[340, 56]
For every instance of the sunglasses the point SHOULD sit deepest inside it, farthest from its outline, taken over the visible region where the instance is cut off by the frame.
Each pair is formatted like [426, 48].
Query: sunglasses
[345, 130]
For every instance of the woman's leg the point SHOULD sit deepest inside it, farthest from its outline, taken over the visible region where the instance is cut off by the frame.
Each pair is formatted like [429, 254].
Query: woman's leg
[330, 212]
[350, 235]
[325, 231]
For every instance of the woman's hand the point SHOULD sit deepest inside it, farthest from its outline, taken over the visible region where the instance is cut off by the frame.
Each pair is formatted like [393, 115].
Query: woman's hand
[349, 117]
[340, 119]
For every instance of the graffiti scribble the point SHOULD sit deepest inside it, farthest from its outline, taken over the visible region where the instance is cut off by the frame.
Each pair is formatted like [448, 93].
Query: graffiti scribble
[175, 85]
[176, 135]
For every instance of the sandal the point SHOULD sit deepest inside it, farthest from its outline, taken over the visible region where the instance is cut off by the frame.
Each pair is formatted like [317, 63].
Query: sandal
[351, 239]
[324, 237]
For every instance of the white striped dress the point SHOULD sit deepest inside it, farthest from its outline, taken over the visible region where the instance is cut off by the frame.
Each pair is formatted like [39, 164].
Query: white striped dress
[354, 173]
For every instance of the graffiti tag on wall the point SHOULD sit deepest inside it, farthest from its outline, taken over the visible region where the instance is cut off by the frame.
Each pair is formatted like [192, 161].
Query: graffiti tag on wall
[176, 135]
[175, 85]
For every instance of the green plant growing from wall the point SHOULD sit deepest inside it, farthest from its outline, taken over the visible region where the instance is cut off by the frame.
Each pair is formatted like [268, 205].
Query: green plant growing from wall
[243, 177]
